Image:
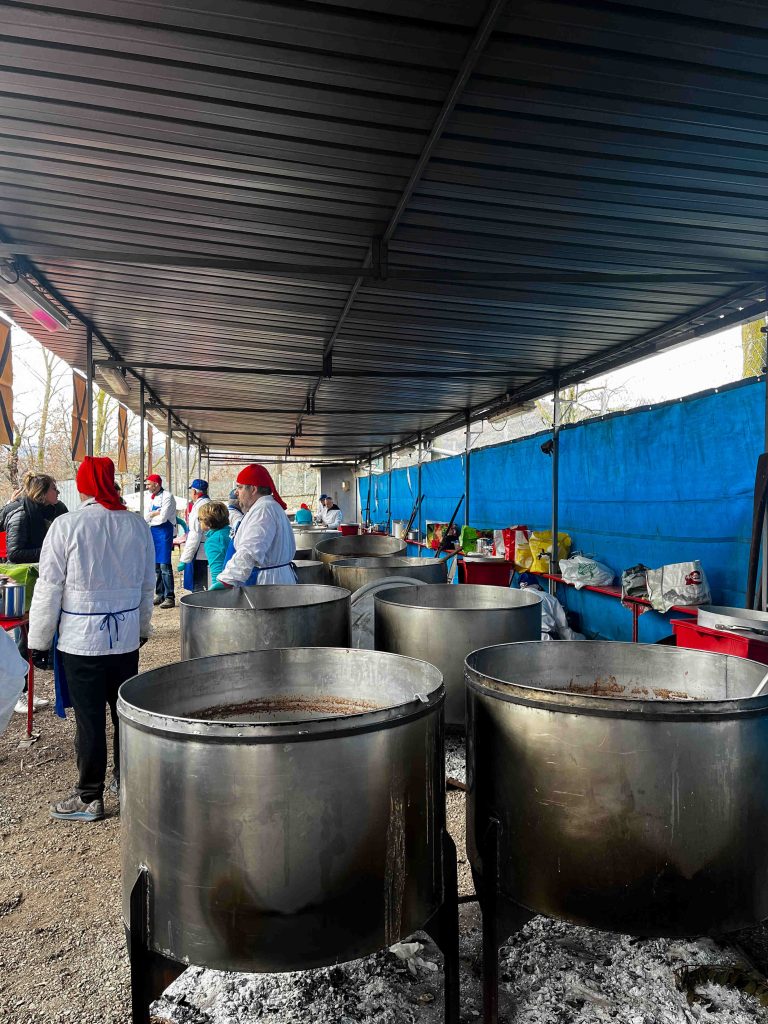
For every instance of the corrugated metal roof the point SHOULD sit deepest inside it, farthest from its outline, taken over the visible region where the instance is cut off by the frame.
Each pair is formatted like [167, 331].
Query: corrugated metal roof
[563, 186]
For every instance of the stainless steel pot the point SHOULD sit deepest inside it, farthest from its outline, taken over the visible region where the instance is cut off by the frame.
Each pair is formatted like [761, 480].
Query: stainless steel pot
[12, 597]
[312, 572]
[360, 546]
[288, 805]
[308, 536]
[621, 804]
[354, 573]
[260, 618]
[443, 623]
[733, 620]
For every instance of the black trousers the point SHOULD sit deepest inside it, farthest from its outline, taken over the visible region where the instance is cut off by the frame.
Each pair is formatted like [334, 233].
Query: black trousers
[93, 684]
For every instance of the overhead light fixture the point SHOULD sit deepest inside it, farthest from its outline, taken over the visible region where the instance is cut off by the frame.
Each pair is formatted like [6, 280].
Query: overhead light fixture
[116, 378]
[24, 295]
[157, 416]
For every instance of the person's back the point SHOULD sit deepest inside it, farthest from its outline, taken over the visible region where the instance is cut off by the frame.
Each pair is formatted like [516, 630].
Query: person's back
[95, 561]
[303, 516]
[217, 544]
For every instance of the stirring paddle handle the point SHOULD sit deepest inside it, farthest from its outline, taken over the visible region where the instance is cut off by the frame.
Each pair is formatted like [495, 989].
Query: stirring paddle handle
[761, 685]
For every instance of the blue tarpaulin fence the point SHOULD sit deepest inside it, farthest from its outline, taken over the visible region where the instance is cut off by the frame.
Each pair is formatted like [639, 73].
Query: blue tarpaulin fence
[669, 483]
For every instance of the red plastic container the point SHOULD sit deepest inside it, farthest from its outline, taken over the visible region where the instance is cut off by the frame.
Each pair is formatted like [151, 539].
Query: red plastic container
[490, 574]
[690, 634]
[3, 545]
[349, 529]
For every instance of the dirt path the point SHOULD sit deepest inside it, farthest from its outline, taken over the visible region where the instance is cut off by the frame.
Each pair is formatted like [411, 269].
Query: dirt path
[62, 952]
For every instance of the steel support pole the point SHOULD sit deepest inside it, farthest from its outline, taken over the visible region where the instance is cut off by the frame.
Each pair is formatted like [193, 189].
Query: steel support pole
[187, 481]
[142, 453]
[169, 452]
[199, 461]
[764, 559]
[89, 389]
[553, 563]
[208, 462]
[466, 471]
[418, 490]
[389, 493]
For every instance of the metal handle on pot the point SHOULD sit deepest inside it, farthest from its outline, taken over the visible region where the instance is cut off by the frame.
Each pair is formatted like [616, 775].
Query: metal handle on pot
[761, 685]
[741, 629]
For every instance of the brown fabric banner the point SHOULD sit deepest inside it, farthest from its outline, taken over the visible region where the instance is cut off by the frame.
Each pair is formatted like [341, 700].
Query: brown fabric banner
[122, 439]
[79, 418]
[6, 385]
[149, 450]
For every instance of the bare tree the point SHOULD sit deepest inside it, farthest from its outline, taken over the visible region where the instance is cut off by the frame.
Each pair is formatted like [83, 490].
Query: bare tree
[52, 383]
[101, 433]
[753, 348]
[12, 451]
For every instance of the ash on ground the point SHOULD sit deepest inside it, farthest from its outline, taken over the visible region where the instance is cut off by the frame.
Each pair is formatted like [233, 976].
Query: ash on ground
[454, 756]
[551, 973]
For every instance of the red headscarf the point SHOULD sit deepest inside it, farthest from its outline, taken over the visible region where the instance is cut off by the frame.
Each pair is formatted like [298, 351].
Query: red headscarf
[257, 476]
[96, 477]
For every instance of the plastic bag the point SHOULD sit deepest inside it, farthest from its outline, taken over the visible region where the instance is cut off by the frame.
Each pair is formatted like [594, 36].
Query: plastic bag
[582, 571]
[540, 543]
[505, 541]
[634, 582]
[682, 583]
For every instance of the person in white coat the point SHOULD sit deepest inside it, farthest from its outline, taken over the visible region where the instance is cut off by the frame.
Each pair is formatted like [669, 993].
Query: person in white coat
[263, 545]
[194, 560]
[95, 589]
[330, 513]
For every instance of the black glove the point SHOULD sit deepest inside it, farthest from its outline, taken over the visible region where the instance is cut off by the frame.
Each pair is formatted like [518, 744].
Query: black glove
[143, 640]
[41, 659]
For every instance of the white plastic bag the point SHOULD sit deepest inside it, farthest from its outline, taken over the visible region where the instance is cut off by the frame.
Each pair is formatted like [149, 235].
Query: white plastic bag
[582, 572]
[682, 583]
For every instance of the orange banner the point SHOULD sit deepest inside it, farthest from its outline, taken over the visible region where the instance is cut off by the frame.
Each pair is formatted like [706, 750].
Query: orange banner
[122, 439]
[6, 385]
[79, 418]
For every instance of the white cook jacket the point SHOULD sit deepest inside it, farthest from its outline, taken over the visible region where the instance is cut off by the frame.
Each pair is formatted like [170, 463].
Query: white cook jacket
[331, 517]
[194, 546]
[99, 562]
[235, 517]
[162, 509]
[263, 538]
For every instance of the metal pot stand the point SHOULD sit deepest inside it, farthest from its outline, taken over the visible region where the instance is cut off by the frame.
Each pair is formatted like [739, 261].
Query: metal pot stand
[153, 972]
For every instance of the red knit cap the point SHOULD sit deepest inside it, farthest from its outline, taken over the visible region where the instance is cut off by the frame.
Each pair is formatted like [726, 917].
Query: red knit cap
[153, 478]
[96, 478]
[257, 476]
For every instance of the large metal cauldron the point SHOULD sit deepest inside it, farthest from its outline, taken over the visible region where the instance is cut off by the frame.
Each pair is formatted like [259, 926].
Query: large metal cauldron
[288, 805]
[365, 545]
[260, 618]
[442, 624]
[354, 573]
[308, 536]
[621, 805]
[310, 571]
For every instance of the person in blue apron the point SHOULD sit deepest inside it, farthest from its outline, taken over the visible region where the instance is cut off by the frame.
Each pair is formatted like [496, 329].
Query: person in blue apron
[95, 589]
[161, 516]
[263, 546]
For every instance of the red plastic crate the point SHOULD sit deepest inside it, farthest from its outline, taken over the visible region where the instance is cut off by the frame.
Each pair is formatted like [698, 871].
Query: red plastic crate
[490, 574]
[349, 529]
[690, 634]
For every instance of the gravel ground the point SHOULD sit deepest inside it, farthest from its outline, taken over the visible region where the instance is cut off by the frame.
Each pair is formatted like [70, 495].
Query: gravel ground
[62, 951]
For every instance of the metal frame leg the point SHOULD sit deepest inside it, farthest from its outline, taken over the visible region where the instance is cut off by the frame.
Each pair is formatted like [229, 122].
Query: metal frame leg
[151, 973]
[30, 684]
[501, 917]
[444, 929]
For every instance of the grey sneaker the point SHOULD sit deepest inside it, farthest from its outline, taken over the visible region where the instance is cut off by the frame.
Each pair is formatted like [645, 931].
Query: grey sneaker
[157, 600]
[114, 788]
[169, 602]
[72, 808]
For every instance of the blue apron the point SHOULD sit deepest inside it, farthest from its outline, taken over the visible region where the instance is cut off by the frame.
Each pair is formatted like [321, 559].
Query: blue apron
[162, 537]
[59, 675]
[254, 577]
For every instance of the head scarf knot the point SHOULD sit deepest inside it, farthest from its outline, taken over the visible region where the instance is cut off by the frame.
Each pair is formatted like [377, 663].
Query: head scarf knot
[257, 476]
[96, 478]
